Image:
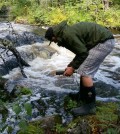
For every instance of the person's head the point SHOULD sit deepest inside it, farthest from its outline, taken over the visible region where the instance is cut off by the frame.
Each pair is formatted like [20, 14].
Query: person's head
[49, 35]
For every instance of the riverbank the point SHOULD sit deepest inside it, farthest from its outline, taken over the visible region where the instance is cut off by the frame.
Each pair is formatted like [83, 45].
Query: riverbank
[106, 119]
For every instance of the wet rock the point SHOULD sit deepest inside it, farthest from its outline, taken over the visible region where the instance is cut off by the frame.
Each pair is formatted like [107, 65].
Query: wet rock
[4, 94]
[7, 66]
[43, 51]
[105, 90]
[2, 82]
[67, 83]
[35, 51]
[49, 103]
[24, 38]
[40, 105]
[116, 74]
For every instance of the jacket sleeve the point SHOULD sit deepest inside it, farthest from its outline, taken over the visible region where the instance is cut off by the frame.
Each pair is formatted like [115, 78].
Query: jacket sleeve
[77, 61]
[77, 47]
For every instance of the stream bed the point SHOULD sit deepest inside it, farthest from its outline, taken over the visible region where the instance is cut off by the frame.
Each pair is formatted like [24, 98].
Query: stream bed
[48, 90]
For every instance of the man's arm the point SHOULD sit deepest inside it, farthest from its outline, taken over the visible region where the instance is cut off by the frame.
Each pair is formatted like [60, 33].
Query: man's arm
[77, 47]
[78, 60]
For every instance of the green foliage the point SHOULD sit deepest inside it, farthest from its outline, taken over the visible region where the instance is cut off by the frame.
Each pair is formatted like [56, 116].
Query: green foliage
[52, 12]
[37, 15]
[25, 108]
[3, 110]
[72, 104]
[56, 15]
[20, 8]
[107, 112]
[111, 131]
[28, 108]
[31, 129]
[69, 104]
[59, 129]
[10, 129]
[17, 108]
[25, 91]
[23, 125]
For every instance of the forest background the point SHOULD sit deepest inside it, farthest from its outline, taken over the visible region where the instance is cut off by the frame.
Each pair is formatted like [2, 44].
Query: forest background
[50, 12]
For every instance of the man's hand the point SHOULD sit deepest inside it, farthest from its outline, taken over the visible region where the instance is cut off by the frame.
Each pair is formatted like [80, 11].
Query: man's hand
[69, 71]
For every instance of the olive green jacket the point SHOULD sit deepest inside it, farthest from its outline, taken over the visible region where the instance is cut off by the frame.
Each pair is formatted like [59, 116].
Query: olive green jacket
[80, 38]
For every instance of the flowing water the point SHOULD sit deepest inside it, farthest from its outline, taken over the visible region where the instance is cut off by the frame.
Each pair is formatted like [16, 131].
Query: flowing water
[48, 91]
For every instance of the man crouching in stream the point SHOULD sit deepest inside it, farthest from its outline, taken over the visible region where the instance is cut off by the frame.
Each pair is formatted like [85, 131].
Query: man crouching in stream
[91, 43]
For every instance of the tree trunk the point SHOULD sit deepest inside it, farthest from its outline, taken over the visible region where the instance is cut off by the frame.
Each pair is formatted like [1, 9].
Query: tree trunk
[106, 4]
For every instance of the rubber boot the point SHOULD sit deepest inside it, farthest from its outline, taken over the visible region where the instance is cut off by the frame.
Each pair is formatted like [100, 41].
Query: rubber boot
[88, 96]
[76, 96]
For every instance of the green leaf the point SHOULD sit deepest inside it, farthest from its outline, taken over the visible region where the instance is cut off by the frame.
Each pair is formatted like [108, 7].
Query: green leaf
[28, 108]
[17, 109]
[23, 125]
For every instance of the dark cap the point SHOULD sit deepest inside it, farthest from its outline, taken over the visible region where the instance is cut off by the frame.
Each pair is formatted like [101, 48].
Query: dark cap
[49, 34]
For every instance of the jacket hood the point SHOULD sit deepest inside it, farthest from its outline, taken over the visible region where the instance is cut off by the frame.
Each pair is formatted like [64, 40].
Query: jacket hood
[58, 29]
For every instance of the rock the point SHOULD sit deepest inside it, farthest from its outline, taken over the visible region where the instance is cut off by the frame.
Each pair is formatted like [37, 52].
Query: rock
[2, 82]
[9, 65]
[105, 90]
[81, 128]
[45, 125]
[48, 122]
[106, 119]
[43, 51]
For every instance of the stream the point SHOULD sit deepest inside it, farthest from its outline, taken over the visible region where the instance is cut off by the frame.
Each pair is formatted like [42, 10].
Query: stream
[48, 90]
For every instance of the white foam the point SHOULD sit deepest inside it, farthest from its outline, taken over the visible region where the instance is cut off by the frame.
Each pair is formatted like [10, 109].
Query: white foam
[59, 61]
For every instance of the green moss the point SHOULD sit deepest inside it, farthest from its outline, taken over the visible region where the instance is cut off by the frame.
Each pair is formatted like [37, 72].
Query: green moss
[106, 114]
[105, 120]
[60, 129]
[69, 104]
[25, 91]
[31, 129]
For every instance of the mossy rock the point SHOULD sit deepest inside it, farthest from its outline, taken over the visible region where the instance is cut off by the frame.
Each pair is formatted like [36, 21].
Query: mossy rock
[20, 90]
[45, 125]
[106, 120]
